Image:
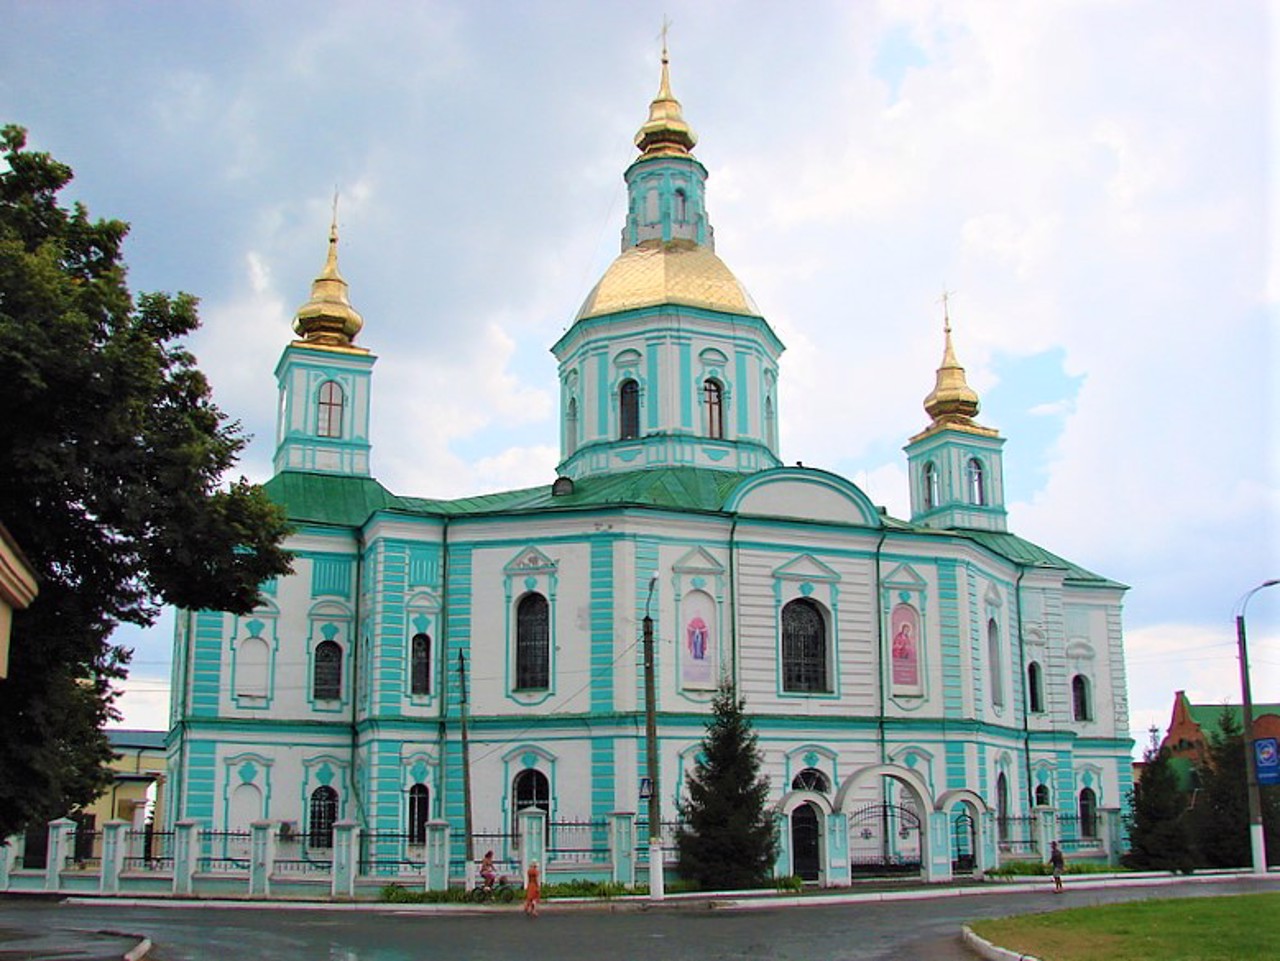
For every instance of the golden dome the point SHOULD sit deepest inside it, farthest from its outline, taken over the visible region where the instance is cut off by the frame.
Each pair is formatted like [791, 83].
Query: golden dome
[952, 402]
[666, 133]
[328, 317]
[675, 272]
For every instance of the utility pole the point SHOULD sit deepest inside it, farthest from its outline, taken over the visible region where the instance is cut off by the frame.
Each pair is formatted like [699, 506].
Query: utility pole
[657, 883]
[1257, 837]
[466, 762]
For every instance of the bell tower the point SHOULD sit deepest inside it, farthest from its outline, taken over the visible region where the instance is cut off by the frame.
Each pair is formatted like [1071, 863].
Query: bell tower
[324, 380]
[955, 465]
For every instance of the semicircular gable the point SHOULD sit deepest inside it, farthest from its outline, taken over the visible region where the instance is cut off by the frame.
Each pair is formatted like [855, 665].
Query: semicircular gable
[804, 494]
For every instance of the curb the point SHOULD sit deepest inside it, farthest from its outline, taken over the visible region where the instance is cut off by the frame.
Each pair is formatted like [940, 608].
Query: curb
[138, 951]
[992, 952]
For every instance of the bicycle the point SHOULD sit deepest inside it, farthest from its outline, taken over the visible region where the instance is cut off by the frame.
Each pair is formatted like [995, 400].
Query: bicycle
[500, 890]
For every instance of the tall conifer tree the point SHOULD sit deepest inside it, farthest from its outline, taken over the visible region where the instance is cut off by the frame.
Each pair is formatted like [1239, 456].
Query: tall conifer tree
[728, 839]
[1159, 839]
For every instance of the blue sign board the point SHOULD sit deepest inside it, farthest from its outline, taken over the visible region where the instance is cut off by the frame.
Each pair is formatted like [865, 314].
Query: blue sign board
[1266, 754]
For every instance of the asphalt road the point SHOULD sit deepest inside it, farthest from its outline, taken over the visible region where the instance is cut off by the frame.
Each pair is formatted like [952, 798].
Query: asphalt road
[914, 930]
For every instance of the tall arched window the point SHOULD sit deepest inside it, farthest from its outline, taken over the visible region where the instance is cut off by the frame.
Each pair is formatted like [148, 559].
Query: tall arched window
[326, 680]
[1002, 806]
[770, 424]
[533, 644]
[811, 779]
[930, 483]
[253, 661]
[419, 813]
[420, 664]
[681, 207]
[995, 662]
[713, 398]
[804, 647]
[324, 811]
[977, 483]
[1035, 688]
[1081, 709]
[629, 410]
[651, 207]
[1088, 813]
[530, 790]
[1042, 795]
[332, 401]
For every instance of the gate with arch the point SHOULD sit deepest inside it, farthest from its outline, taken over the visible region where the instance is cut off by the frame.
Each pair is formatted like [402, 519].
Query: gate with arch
[884, 839]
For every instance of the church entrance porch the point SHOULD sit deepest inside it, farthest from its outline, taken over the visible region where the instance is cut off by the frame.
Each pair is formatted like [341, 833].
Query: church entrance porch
[884, 840]
[806, 860]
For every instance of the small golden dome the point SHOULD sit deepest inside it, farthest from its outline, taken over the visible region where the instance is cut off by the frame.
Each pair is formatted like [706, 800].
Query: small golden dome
[675, 272]
[952, 402]
[328, 317]
[665, 133]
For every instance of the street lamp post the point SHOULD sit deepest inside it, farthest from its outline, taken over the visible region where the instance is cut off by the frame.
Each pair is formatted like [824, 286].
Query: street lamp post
[657, 883]
[1257, 838]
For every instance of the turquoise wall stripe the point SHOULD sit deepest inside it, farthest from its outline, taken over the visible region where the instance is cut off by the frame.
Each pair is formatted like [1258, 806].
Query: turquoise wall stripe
[653, 385]
[602, 619]
[458, 640]
[982, 779]
[602, 775]
[686, 385]
[206, 673]
[956, 767]
[949, 626]
[389, 662]
[602, 394]
[201, 777]
[741, 393]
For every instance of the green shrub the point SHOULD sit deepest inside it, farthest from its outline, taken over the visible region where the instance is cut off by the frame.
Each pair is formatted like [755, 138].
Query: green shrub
[792, 882]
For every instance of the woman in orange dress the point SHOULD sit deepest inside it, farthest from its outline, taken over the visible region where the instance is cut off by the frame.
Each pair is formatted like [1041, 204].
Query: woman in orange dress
[532, 891]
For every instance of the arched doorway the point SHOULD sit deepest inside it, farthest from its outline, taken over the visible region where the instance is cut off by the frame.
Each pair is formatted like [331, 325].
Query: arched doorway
[889, 807]
[964, 837]
[806, 858]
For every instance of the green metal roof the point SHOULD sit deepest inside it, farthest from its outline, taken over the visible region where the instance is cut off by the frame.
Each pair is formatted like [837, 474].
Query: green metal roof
[1209, 715]
[1027, 554]
[351, 501]
[132, 739]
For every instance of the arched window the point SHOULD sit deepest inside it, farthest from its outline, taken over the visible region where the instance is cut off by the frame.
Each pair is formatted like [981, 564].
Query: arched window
[681, 207]
[1035, 688]
[1002, 806]
[1042, 795]
[629, 410]
[533, 644]
[651, 207]
[811, 779]
[332, 401]
[977, 484]
[1088, 813]
[930, 482]
[531, 790]
[713, 397]
[1081, 709]
[420, 664]
[324, 811]
[770, 424]
[571, 427]
[326, 681]
[804, 647]
[419, 813]
[995, 663]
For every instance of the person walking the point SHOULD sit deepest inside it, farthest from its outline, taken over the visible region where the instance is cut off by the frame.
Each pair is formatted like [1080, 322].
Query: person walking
[1056, 862]
[532, 891]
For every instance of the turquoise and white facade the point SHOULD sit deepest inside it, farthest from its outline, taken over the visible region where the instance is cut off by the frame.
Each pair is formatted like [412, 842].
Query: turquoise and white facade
[938, 663]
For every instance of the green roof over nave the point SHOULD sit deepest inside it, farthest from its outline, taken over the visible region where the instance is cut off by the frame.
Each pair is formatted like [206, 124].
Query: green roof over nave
[346, 501]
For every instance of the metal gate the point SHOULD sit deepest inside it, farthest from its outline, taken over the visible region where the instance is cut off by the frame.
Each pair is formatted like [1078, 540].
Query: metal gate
[884, 839]
[806, 862]
[963, 838]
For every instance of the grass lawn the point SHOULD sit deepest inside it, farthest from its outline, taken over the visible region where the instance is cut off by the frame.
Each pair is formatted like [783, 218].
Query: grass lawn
[1240, 928]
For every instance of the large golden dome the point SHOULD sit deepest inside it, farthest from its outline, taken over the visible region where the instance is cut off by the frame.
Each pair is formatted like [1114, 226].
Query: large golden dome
[675, 272]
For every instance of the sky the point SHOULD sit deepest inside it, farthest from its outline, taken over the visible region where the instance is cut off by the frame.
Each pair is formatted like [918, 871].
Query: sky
[1087, 180]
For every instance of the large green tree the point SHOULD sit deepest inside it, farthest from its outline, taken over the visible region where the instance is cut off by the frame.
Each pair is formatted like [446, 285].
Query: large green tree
[1159, 839]
[728, 839]
[1220, 815]
[112, 455]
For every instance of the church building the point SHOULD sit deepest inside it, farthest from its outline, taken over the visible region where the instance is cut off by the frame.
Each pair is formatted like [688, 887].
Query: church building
[920, 687]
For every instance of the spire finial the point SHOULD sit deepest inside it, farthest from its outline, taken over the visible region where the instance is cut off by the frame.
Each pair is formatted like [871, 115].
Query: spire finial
[665, 133]
[952, 401]
[328, 317]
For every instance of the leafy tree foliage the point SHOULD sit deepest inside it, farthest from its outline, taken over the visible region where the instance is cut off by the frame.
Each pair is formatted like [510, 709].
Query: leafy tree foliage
[1220, 816]
[1159, 838]
[728, 840]
[111, 458]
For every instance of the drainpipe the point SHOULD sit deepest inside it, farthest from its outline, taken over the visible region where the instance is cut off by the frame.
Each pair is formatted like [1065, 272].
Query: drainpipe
[442, 673]
[1022, 661]
[733, 602]
[355, 687]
